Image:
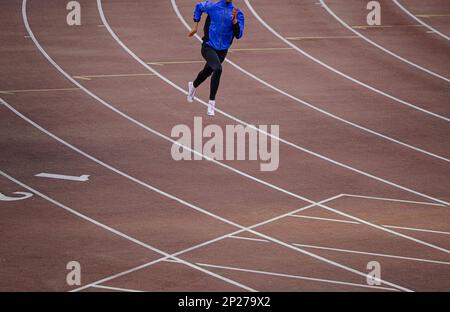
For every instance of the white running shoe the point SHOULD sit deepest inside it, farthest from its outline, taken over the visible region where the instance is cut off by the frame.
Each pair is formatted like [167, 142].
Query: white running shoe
[211, 107]
[191, 94]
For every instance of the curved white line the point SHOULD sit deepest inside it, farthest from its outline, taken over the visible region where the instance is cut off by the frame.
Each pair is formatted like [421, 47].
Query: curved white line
[381, 47]
[295, 47]
[434, 30]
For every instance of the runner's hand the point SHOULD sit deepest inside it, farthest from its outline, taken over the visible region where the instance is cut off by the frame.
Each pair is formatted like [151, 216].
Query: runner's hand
[234, 15]
[193, 32]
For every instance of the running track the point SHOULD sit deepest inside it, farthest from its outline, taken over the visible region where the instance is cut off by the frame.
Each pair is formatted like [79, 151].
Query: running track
[363, 176]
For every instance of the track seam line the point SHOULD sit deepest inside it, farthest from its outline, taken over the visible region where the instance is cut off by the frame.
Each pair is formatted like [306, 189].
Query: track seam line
[354, 80]
[434, 30]
[381, 47]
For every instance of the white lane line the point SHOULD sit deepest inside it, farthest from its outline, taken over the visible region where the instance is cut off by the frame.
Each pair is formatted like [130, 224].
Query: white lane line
[324, 219]
[393, 200]
[121, 234]
[105, 22]
[415, 229]
[348, 251]
[293, 276]
[388, 226]
[250, 239]
[295, 47]
[381, 47]
[287, 95]
[116, 288]
[434, 30]
[373, 254]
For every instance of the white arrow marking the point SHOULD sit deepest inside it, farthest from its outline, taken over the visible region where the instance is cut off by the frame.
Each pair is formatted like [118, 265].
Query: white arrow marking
[7, 198]
[82, 178]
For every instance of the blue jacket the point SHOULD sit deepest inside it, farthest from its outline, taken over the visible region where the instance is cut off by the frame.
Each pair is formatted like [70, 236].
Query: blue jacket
[222, 31]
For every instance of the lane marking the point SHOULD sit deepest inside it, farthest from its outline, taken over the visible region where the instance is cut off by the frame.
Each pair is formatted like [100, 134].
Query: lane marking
[82, 178]
[25, 195]
[321, 37]
[381, 47]
[415, 17]
[294, 276]
[110, 76]
[415, 229]
[12, 92]
[432, 15]
[383, 26]
[175, 62]
[258, 49]
[373, 254]
[119, 233]
[393, 200]
[324, 219]
[312, 58]
[116, 288]
[348, 251]
[388, 226]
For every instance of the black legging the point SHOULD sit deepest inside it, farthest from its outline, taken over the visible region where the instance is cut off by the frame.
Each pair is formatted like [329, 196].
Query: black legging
[214, 60]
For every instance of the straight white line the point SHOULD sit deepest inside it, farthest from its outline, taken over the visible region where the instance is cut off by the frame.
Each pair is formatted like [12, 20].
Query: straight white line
[295, 47]
[293, 276]
[116, 288]
[388, 226]
[434, 30]
[250, 239]
[373, 254]
[118, 233]
[324, 219]
[381, 47]
[347, 250]
[415, 229]
[393, 200]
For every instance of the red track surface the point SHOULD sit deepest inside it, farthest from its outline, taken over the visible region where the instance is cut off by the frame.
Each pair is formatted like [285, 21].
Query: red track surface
[140, 205]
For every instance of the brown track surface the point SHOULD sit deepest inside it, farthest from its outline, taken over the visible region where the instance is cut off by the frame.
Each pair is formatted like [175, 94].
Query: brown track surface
[39, 235]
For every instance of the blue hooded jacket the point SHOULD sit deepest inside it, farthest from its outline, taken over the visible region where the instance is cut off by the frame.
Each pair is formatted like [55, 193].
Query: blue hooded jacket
[222, 31]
